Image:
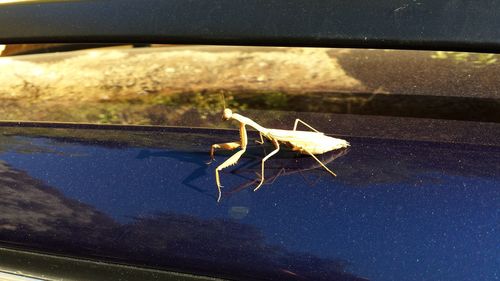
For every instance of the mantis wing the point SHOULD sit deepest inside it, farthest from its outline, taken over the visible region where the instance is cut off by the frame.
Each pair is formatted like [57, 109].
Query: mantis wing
[308, 142]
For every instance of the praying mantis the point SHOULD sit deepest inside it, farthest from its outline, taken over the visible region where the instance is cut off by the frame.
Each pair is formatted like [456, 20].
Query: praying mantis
[305, 142]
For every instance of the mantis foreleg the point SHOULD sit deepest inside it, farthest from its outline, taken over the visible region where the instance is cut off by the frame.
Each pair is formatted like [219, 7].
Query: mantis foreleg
[233, 159]
[226, 146]
[297, 122]
[277, 145]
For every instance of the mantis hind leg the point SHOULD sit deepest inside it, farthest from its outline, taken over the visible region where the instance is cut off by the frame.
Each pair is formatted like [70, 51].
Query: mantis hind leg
[277, 145]
[304, 123]
[321, 163]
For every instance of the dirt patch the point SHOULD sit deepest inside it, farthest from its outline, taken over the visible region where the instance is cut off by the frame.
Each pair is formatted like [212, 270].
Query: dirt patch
[108, 74]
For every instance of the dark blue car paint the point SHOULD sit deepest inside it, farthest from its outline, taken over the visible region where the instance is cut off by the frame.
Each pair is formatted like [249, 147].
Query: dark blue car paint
[398, 210]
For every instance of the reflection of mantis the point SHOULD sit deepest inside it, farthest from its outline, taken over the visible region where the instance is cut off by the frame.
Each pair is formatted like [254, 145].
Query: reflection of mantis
[277, 167]
[305, 142]
[183, 157]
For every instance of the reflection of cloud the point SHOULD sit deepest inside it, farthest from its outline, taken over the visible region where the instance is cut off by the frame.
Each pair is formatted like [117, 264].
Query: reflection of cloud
[238, 212]
[38, 216]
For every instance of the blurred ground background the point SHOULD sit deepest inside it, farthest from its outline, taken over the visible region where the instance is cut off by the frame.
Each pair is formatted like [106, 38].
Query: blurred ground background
[183, 85]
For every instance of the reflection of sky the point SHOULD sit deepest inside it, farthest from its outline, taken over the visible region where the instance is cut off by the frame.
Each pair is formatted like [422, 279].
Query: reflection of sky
[446, 229]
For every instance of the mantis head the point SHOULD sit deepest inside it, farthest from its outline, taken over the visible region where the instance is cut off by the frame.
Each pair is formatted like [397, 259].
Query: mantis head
[227, 114]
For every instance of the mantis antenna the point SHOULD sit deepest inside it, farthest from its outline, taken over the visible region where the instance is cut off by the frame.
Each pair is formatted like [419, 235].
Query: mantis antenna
[223, 100]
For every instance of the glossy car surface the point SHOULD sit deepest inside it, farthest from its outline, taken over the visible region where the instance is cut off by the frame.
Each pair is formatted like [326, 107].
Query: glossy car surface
[103, 150]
